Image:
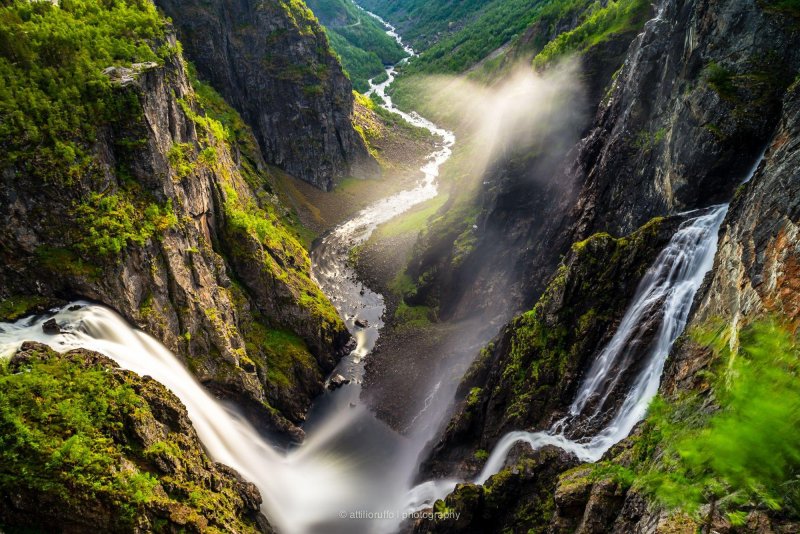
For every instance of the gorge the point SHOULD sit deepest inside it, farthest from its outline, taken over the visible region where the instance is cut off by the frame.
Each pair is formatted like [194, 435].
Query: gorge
[236, 296]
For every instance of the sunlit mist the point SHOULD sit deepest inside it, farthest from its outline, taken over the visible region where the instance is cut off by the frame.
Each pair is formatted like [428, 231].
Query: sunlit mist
[526, 113]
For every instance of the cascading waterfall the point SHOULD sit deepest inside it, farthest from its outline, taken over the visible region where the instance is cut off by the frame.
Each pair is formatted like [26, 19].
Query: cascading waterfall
[666, 292]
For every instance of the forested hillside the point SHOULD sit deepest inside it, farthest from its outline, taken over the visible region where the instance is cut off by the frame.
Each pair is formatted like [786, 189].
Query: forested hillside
[359, 39]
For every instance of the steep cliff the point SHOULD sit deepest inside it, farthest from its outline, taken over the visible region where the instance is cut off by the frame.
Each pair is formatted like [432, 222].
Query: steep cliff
[271, 61]
[87, 446]
[148, 205]
[698, 98]
[755, 271]
[525, 200]
[694, 104]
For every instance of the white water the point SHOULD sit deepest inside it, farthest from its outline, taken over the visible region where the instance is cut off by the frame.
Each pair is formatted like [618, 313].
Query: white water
[350, 461]
[666, 293]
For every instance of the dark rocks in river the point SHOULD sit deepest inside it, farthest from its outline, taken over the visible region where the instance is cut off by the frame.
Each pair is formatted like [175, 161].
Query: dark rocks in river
[361, 323]
[337, 381]
[50, 327]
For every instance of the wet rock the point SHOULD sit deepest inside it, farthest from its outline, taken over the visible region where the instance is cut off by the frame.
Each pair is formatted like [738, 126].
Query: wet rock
[337, 381]
[50, 327]
[361, 323]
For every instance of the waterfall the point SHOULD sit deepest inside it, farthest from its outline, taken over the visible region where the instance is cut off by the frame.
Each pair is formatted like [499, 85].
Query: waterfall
[665, 293]
[296, 487]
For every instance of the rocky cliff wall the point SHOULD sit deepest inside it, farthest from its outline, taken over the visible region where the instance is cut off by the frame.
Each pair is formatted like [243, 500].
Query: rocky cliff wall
[272, 62]
[175, 229]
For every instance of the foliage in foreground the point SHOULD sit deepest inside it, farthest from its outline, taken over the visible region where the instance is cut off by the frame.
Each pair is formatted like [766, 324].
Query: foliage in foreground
[744, 452]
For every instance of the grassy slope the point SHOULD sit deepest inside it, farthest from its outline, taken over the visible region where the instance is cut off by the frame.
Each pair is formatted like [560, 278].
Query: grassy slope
[423, 23]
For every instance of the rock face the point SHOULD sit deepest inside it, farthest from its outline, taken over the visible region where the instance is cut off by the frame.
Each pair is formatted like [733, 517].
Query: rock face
[757, 267]
[210, 270]
[697, 99]
[147, 469]
[271, 61]
[517, 499]
[693, 106]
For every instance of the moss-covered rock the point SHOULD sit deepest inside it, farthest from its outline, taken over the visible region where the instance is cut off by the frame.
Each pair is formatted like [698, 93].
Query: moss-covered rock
[87, 446]
[517, 499]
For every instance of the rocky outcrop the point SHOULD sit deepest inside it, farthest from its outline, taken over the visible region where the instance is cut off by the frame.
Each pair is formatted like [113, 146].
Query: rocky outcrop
[271, 61]
[517, 499]
[530, 373]
[149, 230]
[107, 450]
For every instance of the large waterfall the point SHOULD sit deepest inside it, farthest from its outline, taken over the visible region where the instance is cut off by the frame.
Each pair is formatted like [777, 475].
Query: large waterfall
[666, 293]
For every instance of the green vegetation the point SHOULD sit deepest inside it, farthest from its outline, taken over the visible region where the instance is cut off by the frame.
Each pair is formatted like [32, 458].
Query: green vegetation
[227, 126]
[422, 22]
[600, 23]
[53, 93]
[359, 40]
[68, 435]
[413, 316]
[279, 253]
[720, 79]
[111, 222]
[579, 304]
[745, 453]
[14, 308]
[788, 7]
[285, 354]
[57, 421]
[414, 221]
[646, 140]
[499, 22]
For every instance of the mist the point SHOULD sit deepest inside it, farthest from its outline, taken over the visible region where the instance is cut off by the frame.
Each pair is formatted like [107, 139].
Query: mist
[524, 114]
